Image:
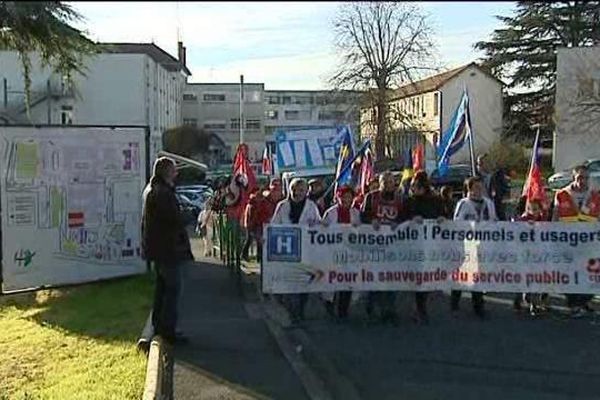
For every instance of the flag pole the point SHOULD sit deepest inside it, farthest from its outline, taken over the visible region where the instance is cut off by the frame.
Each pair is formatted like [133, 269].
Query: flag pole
[241, 109]
[533, 150]
[471, 146]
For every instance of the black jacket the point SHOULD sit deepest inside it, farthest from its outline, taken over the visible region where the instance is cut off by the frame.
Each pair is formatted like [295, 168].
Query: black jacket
[164, 238]
[428, 206]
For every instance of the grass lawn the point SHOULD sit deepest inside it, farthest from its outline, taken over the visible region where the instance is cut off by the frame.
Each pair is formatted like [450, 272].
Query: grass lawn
[75, 343]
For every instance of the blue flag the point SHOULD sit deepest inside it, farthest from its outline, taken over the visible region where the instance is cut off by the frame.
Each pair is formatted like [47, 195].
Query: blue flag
[343, 174]
[456, 135]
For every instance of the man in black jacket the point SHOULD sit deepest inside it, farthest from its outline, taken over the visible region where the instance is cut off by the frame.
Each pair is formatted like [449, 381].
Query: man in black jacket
[165, 243]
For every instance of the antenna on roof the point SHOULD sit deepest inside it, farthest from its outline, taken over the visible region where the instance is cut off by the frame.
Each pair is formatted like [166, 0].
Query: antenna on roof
[177, 21]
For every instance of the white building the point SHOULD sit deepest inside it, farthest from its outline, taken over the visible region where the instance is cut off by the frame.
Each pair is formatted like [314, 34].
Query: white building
[125, 84]
[215, 108]
[290, 109]
[577, 110]
[427, 106]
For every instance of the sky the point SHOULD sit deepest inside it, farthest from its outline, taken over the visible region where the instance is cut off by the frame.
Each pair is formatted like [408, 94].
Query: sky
[286, 46]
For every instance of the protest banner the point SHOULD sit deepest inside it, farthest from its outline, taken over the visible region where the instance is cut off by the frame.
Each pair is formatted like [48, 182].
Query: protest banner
[551, 257]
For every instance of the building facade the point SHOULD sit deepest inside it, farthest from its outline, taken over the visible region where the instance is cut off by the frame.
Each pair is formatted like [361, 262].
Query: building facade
[577, 109]
[293, 109]
[125, 84]
[215, 108]
[427, 106]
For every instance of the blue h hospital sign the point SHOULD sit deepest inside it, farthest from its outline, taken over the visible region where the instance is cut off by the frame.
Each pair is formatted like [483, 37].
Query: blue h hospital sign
[284, 244]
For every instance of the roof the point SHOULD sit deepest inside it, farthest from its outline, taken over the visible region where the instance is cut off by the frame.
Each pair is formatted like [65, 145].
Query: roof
[150, 49]
[434, 82]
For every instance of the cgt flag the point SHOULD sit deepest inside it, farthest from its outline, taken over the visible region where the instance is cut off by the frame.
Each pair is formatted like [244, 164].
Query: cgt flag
[534, 189]
[456, 135]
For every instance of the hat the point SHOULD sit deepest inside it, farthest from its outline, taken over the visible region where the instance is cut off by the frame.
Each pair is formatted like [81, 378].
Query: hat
[313, 181]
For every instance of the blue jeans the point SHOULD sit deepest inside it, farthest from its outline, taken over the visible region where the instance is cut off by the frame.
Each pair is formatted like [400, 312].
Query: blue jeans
[166, 296]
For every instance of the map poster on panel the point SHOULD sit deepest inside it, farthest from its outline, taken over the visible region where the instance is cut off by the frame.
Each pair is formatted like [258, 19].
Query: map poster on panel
[71, 204]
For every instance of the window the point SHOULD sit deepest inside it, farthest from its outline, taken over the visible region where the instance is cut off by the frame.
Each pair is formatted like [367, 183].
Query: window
[189, 97]
[214, 97]
[331, 115]
[287, 100]
[66, 115]
[273, 100]
[214, 125]
[436, 104]
[235, 123]
[423, 106]
[321, 100]
[271, 114]
[190, 121]
[292, 114]
[302, 100]
[253, 124]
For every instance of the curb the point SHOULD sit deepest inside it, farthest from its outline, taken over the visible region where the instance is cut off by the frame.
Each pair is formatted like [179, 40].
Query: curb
[158, 377]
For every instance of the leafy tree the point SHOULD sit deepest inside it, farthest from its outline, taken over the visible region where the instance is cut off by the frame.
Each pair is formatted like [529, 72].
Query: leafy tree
[44, 27]
[186, 140]
[382, 45]
[523, 54]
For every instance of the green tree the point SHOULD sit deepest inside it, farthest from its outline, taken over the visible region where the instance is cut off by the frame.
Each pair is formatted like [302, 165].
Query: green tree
[523, 54]
[382, 45]
[186, 141]
[45, 28]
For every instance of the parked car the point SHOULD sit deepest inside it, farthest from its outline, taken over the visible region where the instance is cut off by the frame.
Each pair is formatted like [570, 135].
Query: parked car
[561, 179]
[187, 207]
[455, 178]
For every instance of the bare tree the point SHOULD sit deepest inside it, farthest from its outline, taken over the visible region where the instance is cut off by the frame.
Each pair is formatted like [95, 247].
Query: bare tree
[382, 44]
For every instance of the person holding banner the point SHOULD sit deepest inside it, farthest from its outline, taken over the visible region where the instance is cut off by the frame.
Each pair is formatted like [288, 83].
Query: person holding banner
[474, 207]
[577, 203]
[341, 213]
[383, 206]
[296, 209]
[422, 204]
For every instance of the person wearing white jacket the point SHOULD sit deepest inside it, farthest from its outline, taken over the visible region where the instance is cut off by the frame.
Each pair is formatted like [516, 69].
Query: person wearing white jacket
[296, 209]
[341, 213]
[474, 207]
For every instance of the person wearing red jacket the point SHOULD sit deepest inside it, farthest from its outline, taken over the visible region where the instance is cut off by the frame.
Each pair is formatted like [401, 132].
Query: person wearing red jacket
[261, 210]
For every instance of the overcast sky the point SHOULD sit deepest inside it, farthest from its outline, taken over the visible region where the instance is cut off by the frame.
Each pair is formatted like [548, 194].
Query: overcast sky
[283, 45]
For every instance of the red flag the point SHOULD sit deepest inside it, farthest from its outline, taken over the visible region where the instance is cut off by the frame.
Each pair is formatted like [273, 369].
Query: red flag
[418, 157]
[534, 186]
[267, 162]
[242, 184]
[367, 171]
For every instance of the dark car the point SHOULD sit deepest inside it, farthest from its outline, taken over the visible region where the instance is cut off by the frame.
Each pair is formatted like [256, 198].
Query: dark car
[455, 178]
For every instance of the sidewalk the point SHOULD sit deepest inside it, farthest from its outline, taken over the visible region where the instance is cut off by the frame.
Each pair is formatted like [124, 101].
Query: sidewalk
[231, 353]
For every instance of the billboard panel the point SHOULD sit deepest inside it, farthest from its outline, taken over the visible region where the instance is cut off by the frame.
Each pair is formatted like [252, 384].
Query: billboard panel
[71, 204]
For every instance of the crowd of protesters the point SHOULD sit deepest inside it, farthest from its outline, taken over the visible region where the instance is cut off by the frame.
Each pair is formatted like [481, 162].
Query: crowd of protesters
[387, 201]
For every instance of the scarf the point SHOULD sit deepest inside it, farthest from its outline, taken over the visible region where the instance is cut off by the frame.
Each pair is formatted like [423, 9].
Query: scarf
[296, 209]
[343, 215]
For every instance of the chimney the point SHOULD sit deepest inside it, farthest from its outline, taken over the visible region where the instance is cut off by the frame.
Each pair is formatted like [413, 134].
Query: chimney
[180, 52]
[184, 56]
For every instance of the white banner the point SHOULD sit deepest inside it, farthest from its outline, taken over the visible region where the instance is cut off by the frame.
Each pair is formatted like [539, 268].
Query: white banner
[489, 256]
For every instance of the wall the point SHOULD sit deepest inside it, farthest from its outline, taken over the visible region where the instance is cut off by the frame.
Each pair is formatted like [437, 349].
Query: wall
[577, 110]
[310, 108]
[485, 96]
[222, 117]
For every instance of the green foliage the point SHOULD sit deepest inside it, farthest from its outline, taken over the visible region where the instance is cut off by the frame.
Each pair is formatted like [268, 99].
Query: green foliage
[44, 27]
[186, 140]
[523, 54]
[510, 155]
